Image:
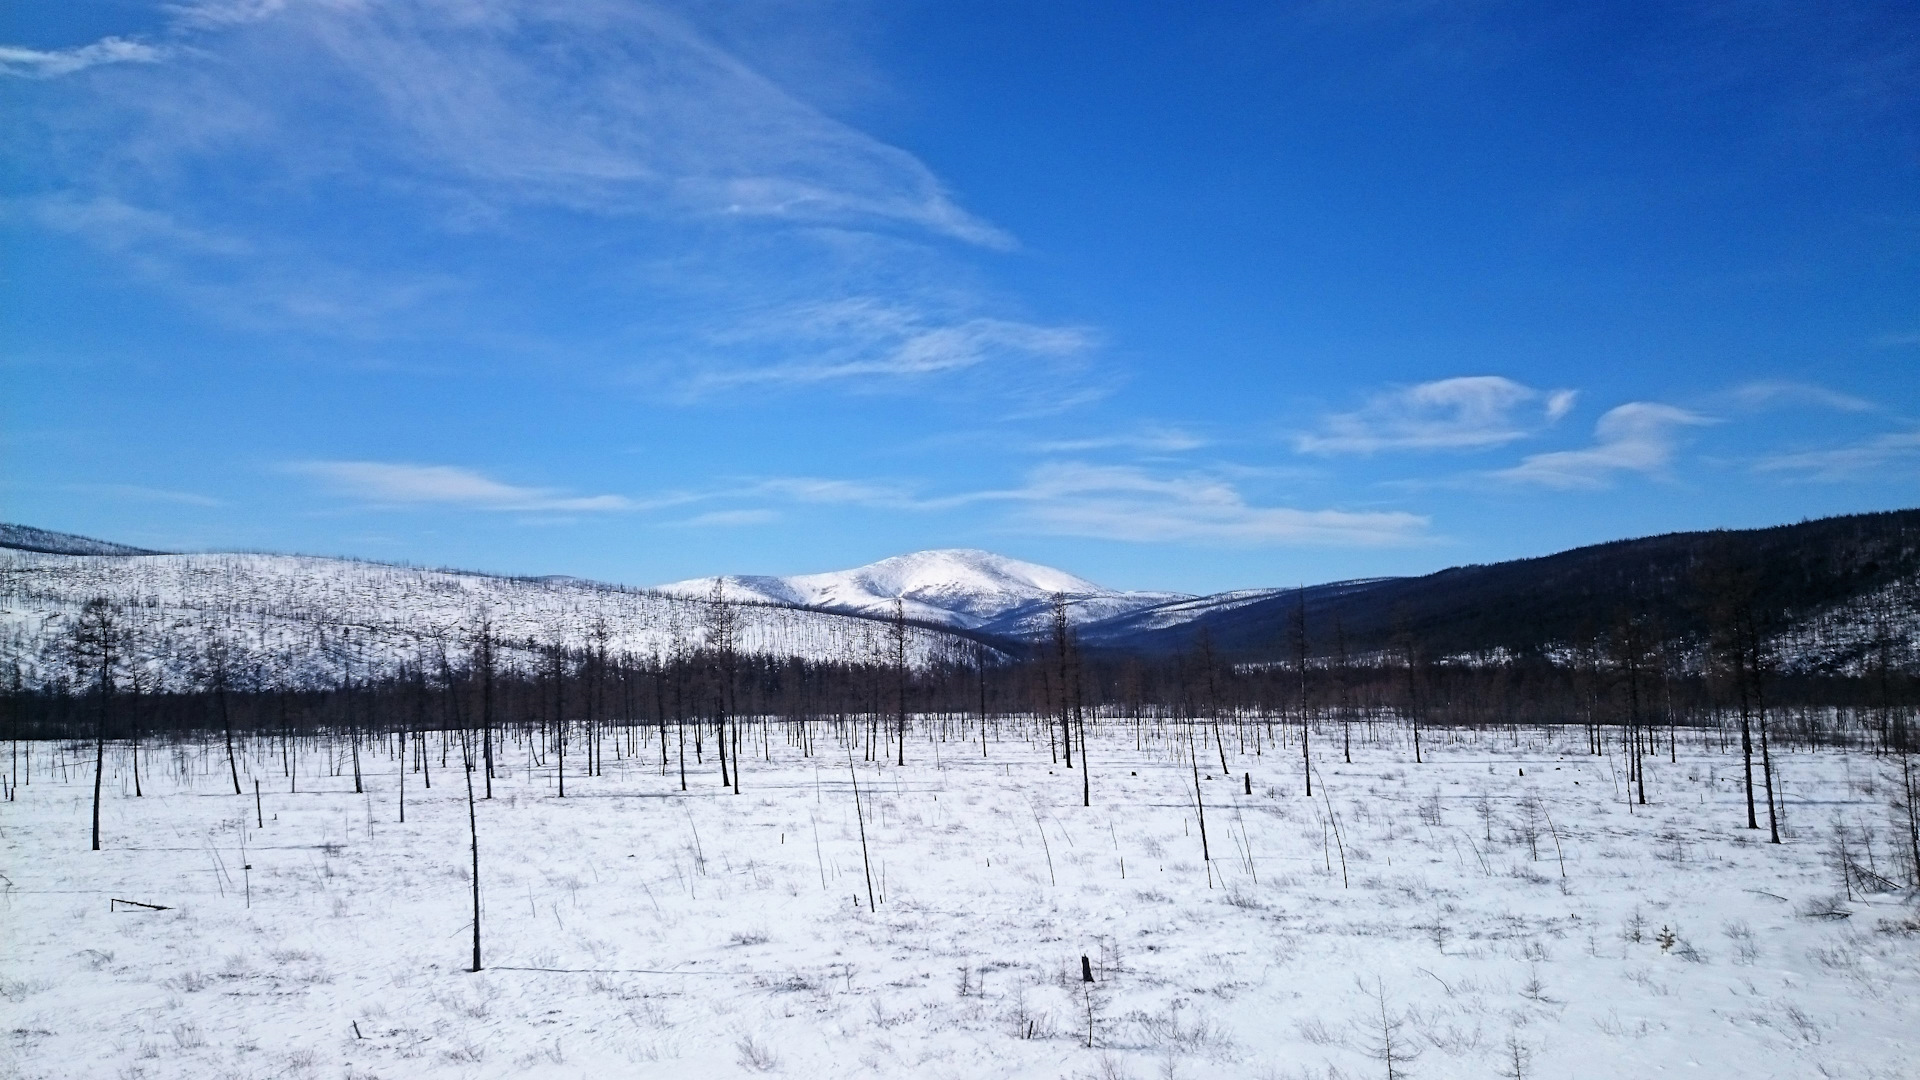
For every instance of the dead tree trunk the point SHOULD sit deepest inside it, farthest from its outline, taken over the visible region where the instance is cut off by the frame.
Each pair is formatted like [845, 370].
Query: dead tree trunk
[899, 635]
[1060, 647]
[473, 834]
[96, 637]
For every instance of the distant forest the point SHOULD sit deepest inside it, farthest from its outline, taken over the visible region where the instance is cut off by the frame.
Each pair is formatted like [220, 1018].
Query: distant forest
[1781, 578]
[1647, 635]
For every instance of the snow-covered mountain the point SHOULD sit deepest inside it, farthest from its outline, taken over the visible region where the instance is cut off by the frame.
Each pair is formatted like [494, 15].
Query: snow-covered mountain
[311, 621]
[959, 587]
[289, 620]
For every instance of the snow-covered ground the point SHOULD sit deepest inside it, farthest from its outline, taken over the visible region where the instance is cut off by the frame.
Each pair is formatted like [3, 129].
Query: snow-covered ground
[633, 930]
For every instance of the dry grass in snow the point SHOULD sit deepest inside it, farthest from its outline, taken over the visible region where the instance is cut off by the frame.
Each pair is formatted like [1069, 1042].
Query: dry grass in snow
[1491, 923]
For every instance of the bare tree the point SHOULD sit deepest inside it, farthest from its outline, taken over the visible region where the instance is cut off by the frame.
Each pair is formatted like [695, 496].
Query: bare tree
[135, 684]
[866, 863]
[1909, 802]
[473, 831]
[1199, 804]
[558, 660]
[484, 665]
[95, 646]
[1385, 1042]
[1728, 591]
[1633, 647]
[677, 657]
[1414, 706]
[217, 674]
[980, 676]
[723, 628]
[1341, 676]
[1297, 637]
[15, 692]
[1516, 1059]
[897, 639]
[1210, 668]
[1062, 646]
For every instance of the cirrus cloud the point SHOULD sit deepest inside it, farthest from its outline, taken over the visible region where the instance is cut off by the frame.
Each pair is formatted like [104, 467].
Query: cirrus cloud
[1113, 502]
[1469, 412]
[1873, 456]
[730, 518]
[867, 340]
[1776, 393]
[52, 63]
[1126, 503]
[595, 106]
[436, 168]
[391, 484]
[1639, 437]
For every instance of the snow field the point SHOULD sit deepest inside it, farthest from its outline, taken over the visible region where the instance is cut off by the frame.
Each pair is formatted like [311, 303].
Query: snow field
[633, 930]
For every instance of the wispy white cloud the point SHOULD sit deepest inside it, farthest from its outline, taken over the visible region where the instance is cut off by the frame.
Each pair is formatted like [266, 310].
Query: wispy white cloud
[232, 276]
[1895, 341]
[216, 14]
[618, 108]
[1773, 393]
[1150, 439]
[1639, 437]
[1872, 457]
[148, 494]
[867, 340]
[394, 484]
[1111, 502]
[1465, 413]
[1132, 504]
[355, 169]
[730, 518]
[814, 489]
[26, 63]
[115, 225]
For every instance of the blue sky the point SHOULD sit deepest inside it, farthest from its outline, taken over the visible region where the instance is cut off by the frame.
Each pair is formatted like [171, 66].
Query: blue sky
[1253, 294]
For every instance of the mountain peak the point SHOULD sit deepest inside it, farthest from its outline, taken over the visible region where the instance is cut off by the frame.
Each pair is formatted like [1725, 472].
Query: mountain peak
[963, 587]
[945, 570]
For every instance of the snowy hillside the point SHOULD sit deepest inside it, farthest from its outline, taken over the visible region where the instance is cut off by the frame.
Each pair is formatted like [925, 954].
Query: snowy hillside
[28, 538]
[961, 587]
[310, 620]
[1856, 637]
[1177, 615]
[297, 620]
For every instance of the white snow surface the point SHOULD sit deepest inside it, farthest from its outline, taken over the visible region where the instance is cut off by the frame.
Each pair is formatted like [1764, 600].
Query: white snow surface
[295, 620]
[962, 587]
[1503, 889]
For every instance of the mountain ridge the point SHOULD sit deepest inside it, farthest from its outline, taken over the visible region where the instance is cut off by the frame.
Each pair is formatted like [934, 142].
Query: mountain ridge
[965, 588]
[1828, 590]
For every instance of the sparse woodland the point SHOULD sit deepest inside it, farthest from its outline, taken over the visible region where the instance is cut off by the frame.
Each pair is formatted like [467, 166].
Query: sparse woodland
[490, 854]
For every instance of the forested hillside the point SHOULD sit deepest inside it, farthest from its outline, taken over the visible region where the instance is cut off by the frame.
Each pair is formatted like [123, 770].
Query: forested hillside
[1827, 593]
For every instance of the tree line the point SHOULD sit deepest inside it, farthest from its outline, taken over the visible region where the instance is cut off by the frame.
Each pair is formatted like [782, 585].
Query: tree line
[702, 706]
[1626, 675]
